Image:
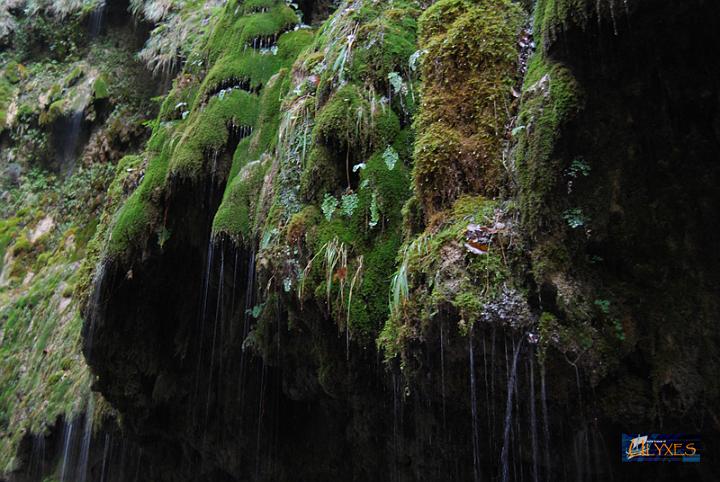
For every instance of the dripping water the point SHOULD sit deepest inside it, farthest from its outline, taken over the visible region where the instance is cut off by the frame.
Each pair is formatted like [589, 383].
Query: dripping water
[106, 450]
[516, 431]
[261, 413]
[347, 342]
[396, 424]
[234, 282]
[546, 425]
[473, 407]
[442, 375]
[533, 422]
[612, 16]
[577, 381]
[86, 440]
[67, 447]
[96, 19]
[492, 384]
[202, 318]
[508, 414]
[246, 314]
[137, 470]
[37, 458]
[487, 390]
[70, 138]
[218, 315]
[581, 453]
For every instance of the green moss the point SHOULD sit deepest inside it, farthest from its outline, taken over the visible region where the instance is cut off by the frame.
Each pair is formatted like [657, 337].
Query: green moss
[254, 6]
[104, 240]
[14, 72]
[100, 88]
[461, 279]
[349, 122]
[253, 67]
[181, 97]
[343, 121]
[6, 95]
[301, 223]
[468, 71]
[320, 174]
[132, 221]
[43, 376]
[387, 42]
[381, 189]
[207, 131]
[333, 136]
[369, 305]
[237, 213]
[197, 117]
[74, 76]
[239, 32]
[268, 122]
[552, 97]
[53, 113]
[437, 178]
[138, 213]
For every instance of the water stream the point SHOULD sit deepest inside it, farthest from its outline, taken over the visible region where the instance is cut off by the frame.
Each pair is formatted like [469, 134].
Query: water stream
[442, 376]
[86, 441]
[533, 421]
[511, 389]
[473, 406]
[96, 19]
[546, 424]
[69, 140]
[67, 452]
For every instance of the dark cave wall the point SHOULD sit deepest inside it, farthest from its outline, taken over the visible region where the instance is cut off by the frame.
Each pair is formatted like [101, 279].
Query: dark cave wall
[644, 124]
[647, 132]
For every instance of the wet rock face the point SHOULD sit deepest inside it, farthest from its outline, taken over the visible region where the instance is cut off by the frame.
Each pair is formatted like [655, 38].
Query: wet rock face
[211, 393]
[73, 450]
[648, 133]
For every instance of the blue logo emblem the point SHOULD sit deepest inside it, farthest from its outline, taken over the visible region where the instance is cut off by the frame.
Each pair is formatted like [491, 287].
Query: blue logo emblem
[661, 447]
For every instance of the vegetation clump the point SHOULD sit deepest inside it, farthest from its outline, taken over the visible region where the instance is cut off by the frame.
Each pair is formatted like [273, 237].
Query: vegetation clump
[465, 280]
[468, 68]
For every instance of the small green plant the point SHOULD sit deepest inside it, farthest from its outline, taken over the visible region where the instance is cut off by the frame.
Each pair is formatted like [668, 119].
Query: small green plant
[574, 218]
[578, 168]
[619, 330]
[335, 253]
[374, 211]
[391, 157]
[357, 278]
[604, 306]
[414, 58]
[399, 287]
[256, 310]
[349, 204]
[396, 82]
[163, 236]
[329, 205]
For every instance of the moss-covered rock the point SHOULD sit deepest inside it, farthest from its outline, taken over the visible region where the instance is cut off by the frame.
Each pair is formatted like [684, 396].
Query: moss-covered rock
[466, 278]
[468, 69]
